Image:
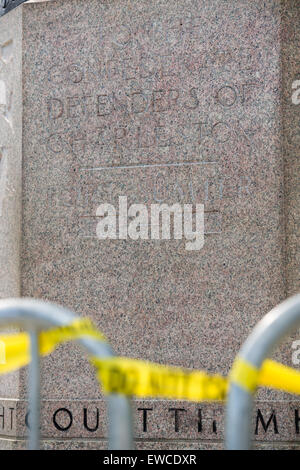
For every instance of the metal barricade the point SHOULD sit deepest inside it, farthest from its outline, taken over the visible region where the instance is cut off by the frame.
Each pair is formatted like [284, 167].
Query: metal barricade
[269, 331]
[34, 316]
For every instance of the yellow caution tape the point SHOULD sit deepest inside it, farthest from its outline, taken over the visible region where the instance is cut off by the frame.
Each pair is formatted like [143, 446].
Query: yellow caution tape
[15, 347]
[82, 327]
[14, 352]
[275, 375]
[146, 379]
[244, 374]
[272, 374]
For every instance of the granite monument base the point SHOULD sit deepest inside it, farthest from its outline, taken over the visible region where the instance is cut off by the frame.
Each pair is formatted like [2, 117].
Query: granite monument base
[184, 101]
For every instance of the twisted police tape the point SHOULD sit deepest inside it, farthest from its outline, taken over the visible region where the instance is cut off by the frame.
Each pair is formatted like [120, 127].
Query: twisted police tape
[146, 379]
[16, 346]
[272, 374]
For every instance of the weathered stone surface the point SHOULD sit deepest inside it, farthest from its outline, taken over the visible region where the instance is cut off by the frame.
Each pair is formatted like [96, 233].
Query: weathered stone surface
[10, 167]
[182, 101]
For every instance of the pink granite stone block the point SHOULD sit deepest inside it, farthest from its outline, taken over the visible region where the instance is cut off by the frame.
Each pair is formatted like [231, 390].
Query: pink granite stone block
[183, 101]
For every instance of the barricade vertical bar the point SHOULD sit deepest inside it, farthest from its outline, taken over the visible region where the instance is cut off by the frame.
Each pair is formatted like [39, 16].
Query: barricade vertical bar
[34, 391]
[269, 331]
[120, 423]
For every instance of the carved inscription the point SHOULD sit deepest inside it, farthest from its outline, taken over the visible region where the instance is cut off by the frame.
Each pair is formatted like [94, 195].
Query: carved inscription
[149, 114]
[142, 66]
[155, 420]
[145, 101]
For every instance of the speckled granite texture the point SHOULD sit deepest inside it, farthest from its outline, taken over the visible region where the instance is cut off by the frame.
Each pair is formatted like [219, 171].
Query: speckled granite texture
[10, 167]
[163, 101]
